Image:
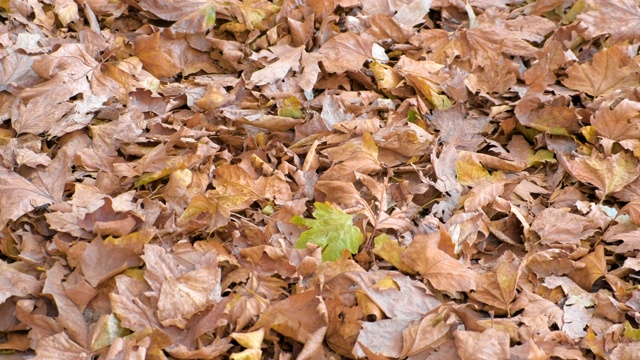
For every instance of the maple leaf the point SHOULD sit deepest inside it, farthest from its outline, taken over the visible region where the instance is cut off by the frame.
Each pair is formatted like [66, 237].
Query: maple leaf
[594, 268]
[427, 78]
[607, 174]
[288, 59]
[16, 282]
[194, 131]
[181, 292]
[157, 61]
[349, 51]
[498, 286]
[255, 14]
[560, 226]
[235, 189]
[618, 124]
[618, 18]
[19, 196]
[332, 230]
[352, 157]
[389, 249]
[441, 270]
[612, 68]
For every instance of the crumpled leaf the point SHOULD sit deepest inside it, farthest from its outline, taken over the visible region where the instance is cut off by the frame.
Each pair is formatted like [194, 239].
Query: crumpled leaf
[181, 292]
[351, 158]
[332, 230]
[497, 287]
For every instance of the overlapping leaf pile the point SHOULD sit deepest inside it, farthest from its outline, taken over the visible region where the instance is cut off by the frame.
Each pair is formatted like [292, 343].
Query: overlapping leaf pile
[320, 179]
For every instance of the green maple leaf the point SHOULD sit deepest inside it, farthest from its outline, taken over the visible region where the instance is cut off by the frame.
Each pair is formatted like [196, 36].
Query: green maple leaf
[332, 230]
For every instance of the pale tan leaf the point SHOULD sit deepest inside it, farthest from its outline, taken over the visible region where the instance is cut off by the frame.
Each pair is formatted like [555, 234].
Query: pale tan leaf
[607, 173]
[612, 68]
[441, 270]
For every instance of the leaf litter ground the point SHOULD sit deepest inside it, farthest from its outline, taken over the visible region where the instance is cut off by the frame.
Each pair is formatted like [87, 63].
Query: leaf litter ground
[319, 179]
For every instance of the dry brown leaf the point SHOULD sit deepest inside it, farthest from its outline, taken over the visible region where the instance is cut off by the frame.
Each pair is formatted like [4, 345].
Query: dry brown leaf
[181, 291]
[607, 173]
[427, 333]
[301, 317]
[288, 59]
[490, 344]
[594, 267]
[352, 157]
[155, 60]
[617, 124]
[611, 69]
[497, 287]
[441, 270]
[16, 281]
[600, 17]
[349, 52]
[194, 132]
[559, 226]
[19, 196]
[71, 316]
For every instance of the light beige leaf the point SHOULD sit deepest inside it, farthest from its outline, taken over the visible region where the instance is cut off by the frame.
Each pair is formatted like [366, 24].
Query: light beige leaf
[613, 68]
[182, 292]
[607, 173]
[618, 18]
[441, 270]
[18, 196]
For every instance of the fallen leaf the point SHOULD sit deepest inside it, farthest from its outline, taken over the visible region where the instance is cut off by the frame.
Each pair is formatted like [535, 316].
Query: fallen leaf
[625, 13]
[332, 230]
[611, 69]
[490, 344]
[349, 52]
[181, 292]
[607, 173]
[441, 270]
